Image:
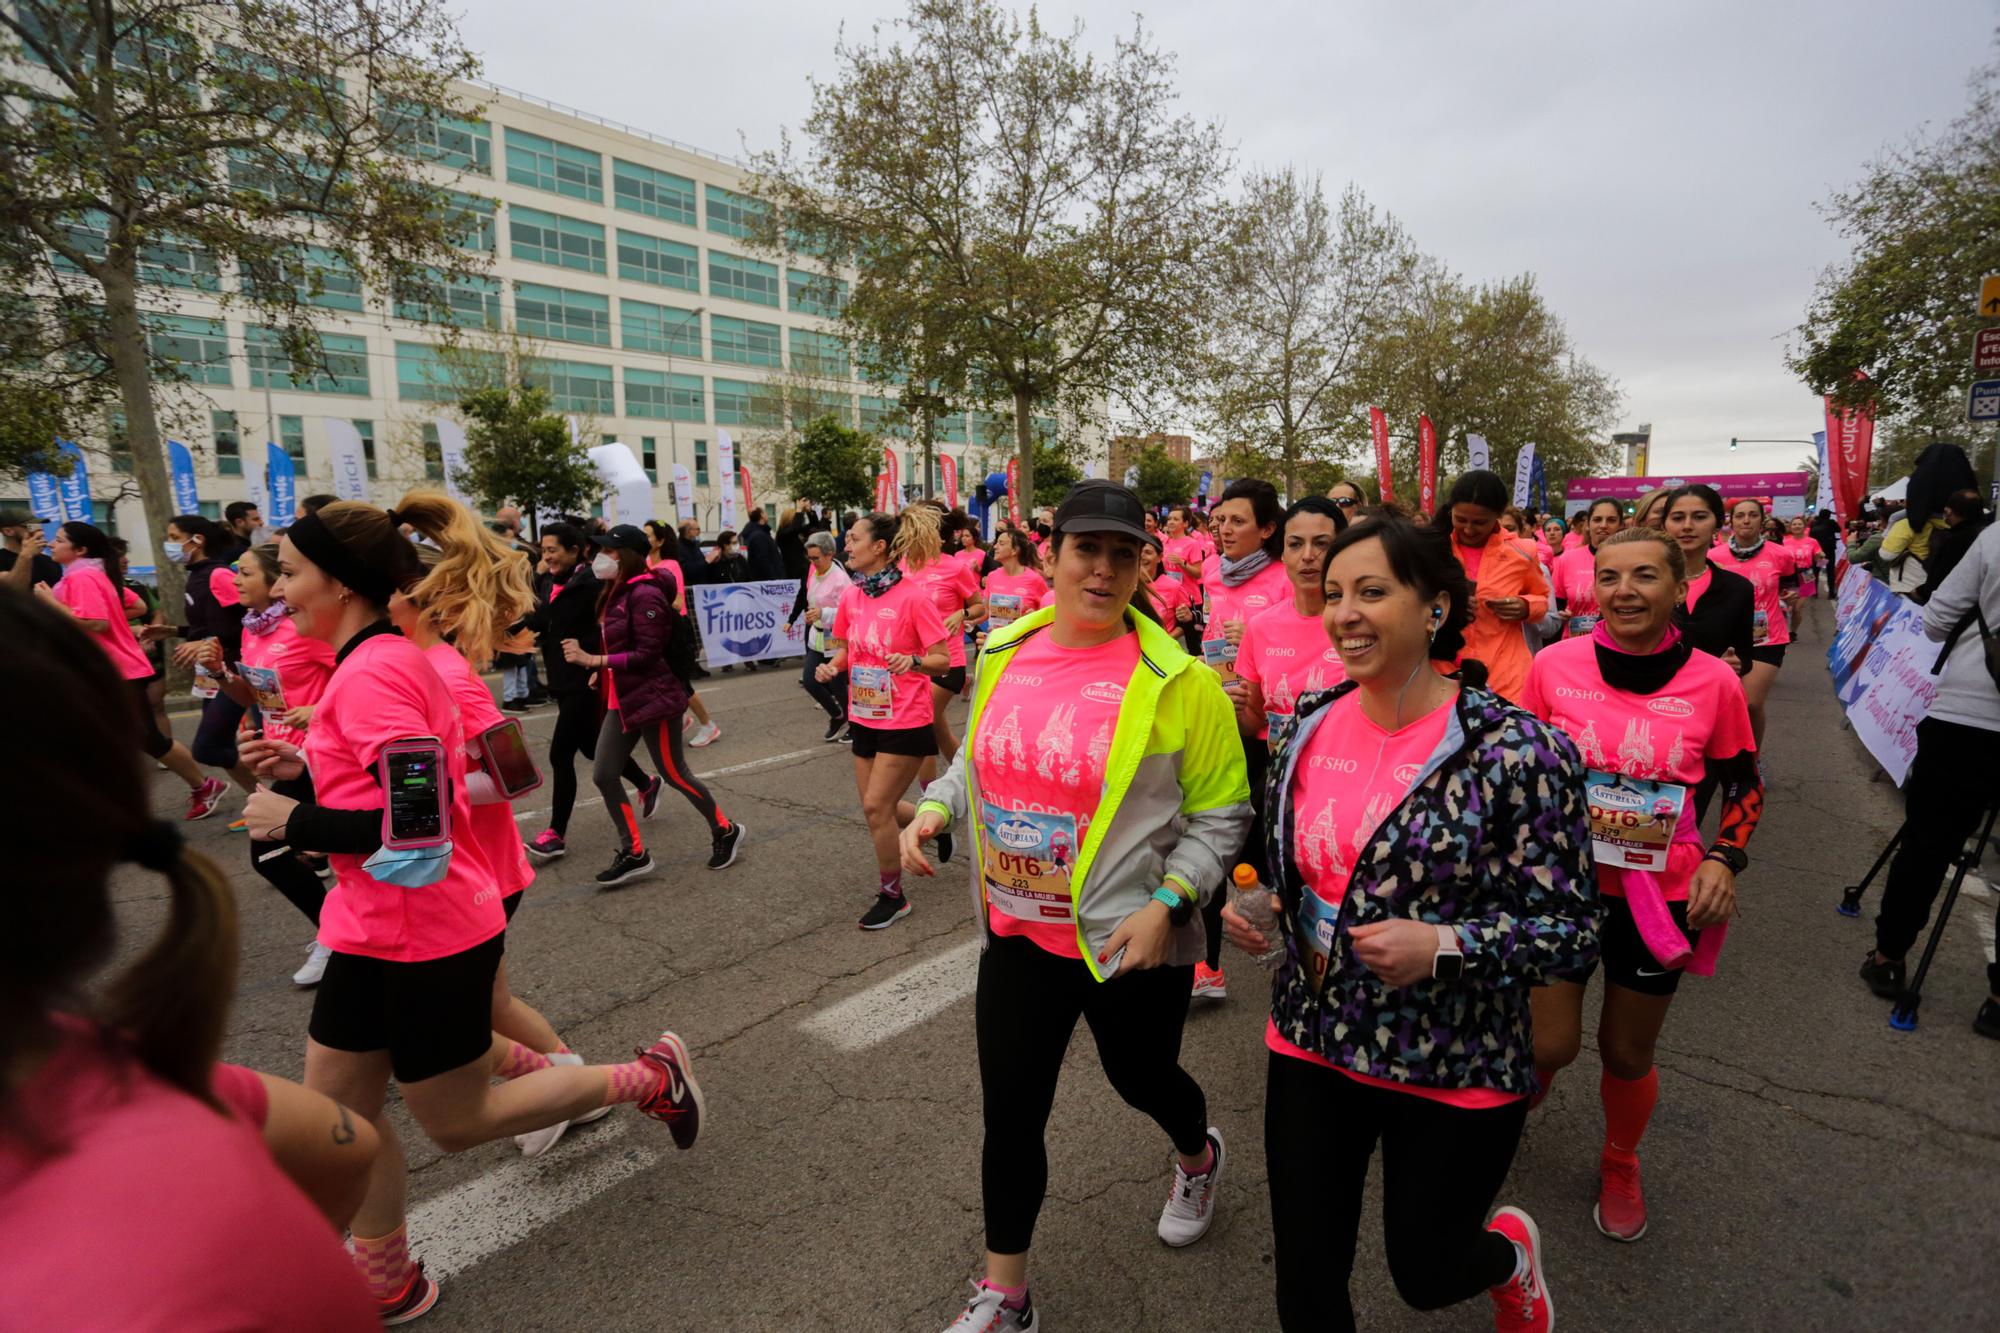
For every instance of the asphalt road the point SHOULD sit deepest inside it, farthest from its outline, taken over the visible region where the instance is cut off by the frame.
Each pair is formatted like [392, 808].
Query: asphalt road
[1808, 1167]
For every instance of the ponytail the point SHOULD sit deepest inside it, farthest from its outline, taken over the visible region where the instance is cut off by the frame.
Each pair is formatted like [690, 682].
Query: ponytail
[918, 539]
[171, 1005]
[479, 585]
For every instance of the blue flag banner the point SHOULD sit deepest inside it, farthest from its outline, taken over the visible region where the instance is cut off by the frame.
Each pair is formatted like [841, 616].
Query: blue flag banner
[180, 465]
[1206, 479]
[1821, 495]
[1539, 479]
[45, 498]
[281, 484]
[76, 486]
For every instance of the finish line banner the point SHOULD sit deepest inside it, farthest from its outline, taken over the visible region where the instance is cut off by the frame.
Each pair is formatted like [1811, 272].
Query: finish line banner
[1881, 664]
[745, 622]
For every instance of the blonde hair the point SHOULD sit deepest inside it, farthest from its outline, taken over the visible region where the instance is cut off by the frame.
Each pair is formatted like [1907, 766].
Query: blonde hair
[478, 586]
[919, 539]
[1676, 561]
[1646, 501]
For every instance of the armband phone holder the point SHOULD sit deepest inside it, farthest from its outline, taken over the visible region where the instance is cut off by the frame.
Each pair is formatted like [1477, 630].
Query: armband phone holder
[416, 795]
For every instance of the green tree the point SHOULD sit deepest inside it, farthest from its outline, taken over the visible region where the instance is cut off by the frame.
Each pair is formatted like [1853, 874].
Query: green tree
[1054, 473]
[520, 451]
[152, 147]
[1163, 479]
[834, 464]
[1014, 211]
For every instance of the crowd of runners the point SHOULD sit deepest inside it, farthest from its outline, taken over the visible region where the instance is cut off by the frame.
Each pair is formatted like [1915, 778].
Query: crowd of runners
[1431, 775]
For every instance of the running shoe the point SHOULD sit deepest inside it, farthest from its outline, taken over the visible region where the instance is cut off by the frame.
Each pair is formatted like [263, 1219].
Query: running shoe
[944, 846]
[203, 800]
[1522, 1304]
[516, 706]
[885, 911]
[417, 1298]
[705, 734]
[1884, 978]
[1987, 1021]
[1191, 1202]
[239, 825]
[1621, 1208]
[687, 723]
[649, 796]
[987, 1314]
[623, 867]
[314, 967]
[834, 727]
[548, 845]
[572, 1058]
[678, 1101]
[1209, 983]
[846, 736]
[538, 1141]
[722, 848]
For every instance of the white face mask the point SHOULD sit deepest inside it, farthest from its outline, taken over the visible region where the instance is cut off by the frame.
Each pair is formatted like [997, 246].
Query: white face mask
[605, 567]
[176, 552]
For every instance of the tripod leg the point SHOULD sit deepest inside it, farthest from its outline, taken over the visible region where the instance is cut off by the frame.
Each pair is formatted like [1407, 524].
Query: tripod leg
[1850, 898]
[1904, 1016]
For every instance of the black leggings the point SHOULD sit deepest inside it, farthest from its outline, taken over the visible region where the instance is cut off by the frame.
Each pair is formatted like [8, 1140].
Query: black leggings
[287, 873]
[1951, 785]
[576, 733]
[829, 695]
[215, 739]
[1441, 1168]
[614, 754]
[153, 742]
[1027, 1005]
[1257, 760]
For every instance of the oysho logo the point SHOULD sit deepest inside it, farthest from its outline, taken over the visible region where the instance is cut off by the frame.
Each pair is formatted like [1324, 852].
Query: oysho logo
[1576, 692]
[485, 895]
[1019, 834]
[1019, 678]
[741, 622]
[1104, 691]
[1335, 764]
[1282, 652]
[1670, 706]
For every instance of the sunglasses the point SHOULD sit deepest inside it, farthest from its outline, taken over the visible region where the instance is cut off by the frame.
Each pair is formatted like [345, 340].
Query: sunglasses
[1345, 502]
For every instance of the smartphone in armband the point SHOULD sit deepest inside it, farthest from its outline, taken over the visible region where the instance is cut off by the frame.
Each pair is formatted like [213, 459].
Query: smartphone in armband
[416, 796]
[509, 762]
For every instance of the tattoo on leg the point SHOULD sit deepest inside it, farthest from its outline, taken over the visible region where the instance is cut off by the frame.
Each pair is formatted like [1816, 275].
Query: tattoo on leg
[343, 1133]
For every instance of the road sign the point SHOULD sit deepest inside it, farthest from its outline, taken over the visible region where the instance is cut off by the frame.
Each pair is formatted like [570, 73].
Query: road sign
[1989, 294]
[1986, 349]
[1984, 405]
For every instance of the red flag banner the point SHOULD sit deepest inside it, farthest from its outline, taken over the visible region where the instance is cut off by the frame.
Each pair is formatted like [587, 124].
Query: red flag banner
[1378, 422]
[948, 474]
[894, 486]
[748, 504]
[1850, 445]
[1014, 491]
[1427, 465]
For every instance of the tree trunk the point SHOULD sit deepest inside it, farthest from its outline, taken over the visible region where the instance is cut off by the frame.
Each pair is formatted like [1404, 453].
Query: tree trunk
[1288, 449]
[131, 365]
[930, 442]
[1024, 443]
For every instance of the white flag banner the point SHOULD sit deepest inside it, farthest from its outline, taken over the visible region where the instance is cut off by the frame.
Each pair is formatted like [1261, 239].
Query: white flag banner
[683, 493]
[1524, 474]
[725, 452]
[350, 460]
[628, 492]
[451, 453]
[745, 622]
[1478, 457]
[253, 456]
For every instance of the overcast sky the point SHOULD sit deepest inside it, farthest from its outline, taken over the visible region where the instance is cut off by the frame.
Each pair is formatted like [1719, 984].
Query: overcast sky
[1655, 166]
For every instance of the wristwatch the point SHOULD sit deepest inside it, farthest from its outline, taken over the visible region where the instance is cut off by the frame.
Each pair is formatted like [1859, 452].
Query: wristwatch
[1449, 962]
[1735, 858]
[1180, 907]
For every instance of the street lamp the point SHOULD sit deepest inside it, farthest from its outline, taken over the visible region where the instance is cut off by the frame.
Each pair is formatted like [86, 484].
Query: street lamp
[673, 435]
[1733, 442]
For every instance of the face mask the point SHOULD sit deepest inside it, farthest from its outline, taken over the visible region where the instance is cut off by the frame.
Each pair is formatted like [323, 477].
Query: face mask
[605, 567]
[177, 552]
[409, 867]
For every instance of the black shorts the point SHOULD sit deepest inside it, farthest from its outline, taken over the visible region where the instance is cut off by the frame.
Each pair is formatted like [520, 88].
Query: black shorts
[952, 681]
[432, 1017]
[1626, 959]
[915, 742]
[1774, 653]
[512, 903]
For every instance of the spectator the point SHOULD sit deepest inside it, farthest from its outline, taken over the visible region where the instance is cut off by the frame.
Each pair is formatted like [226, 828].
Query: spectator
[22, 560]
[694, 565]
[1965, 517]
[761, 548]
[242, 519]
[726, 561]
[791, 539]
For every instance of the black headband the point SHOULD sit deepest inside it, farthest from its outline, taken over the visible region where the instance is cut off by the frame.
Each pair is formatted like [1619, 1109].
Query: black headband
[320, 546]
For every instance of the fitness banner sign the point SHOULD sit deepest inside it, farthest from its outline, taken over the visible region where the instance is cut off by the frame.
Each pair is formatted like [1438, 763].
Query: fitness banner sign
[1881, 664]
[745, 622]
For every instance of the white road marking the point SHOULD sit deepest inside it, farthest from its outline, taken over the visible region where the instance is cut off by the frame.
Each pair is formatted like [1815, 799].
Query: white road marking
[896, 1004]
[765, 762]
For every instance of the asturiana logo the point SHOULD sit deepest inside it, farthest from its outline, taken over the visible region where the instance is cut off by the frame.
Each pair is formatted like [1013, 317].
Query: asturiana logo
[1618, 798]
[1668, 705]
[1104, 692]
[1020, 834]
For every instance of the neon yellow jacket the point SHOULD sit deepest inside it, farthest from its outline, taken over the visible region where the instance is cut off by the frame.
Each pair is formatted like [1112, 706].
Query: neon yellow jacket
[1176, 801]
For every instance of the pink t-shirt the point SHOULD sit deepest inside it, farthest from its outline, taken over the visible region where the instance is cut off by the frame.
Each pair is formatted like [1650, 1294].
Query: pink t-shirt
[85, 589]
[1190, 551]
[303, 665]
[1268, 587]
[386, 691]
[1573, 578]
[971, 557]
[1038, 756]
[1771, 563]
[1011, 596]
[222, 582]
[902, 620]
[1350, 777]
[952, 587]
[1287, 655]
[1662, 740]
[1572, 540]
[1169, 595]
[1806, 551]
[158, 1213]
[494, 830]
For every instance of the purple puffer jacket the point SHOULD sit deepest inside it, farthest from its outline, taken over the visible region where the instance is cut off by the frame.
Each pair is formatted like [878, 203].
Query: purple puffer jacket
[1492, 839]
[638, 621]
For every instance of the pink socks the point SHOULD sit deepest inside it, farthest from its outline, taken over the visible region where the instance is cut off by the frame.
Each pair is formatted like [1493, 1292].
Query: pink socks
[520, 1060]
[634, 1081]
[1628, 1105]
[1014, 1298]
[384, 1263]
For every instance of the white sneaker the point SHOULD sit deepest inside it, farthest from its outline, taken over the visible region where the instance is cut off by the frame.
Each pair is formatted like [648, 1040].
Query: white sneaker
[538, 1141]
[1191, 1206]
[986, 1314]
[705, 734]
[572, 1058]
[315, 966]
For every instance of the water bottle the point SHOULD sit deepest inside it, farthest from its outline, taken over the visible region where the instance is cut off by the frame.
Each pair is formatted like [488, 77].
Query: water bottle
[1252, 902]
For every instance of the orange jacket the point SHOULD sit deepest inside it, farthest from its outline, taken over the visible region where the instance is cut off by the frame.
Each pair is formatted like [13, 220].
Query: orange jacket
[1503, 572]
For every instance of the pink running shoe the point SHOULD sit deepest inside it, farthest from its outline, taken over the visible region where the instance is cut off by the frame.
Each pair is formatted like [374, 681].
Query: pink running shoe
[1621, 1208]
[678, 1102]
[1521, 1304]
[547, 845]
[204, 800]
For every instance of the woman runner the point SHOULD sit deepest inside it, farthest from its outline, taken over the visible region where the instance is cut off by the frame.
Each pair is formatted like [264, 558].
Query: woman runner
[1651, 718]
[1573, 577]
[1102, 787]
[1286, 654]
[1772, 571]
[1718, 614]
[208, 550]
[954, 589]
[1015, 587]
[1508, 588]
[416, 940]
[1428, 839]
[887, 639]
[1173, 599]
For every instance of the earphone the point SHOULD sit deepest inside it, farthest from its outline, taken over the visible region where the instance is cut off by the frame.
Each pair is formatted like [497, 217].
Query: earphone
[1437, 613]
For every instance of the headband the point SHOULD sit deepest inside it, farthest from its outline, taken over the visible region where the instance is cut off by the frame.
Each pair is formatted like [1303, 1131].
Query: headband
[318, 544]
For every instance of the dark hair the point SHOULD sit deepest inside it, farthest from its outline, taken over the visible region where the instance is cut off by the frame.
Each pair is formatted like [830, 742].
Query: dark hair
[59, 694]
[1264, 508]
[1420, 557]
[661, 533]
[1747, 500]
[1316, 504]
[234, 510]
[1477, 487]
[90, 539]
[1604, 500]
[1700, 491]
[1966, 504]
[1142, 601]
[757, 514]
[566, 536]
[217, 542]
[882, 526]
[312, 504]
[726, 536]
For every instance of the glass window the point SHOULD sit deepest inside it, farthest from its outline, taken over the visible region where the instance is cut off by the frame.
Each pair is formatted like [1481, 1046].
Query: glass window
[228, 444]
[292, 439]
[729, 212]
[993, 429]
[314, 274]
[366, 430]
[197, 348]
[745, 342]
[472, 301]
[545, 238]
[342, 365]
[658, 194]
[950, 429]
[545, 164]
[815, 293]
[463, 145]
[659, 328]
[741, 403]
[575, 386]
[658, 396]
[554, 312]
[89, 232]
[811, 406]
[421, 375]
[744, 279]
[433, 453]
[471, 218]
[176, 263]
[649, 458]
[822, 354]
[1044, 429]
[883, 416]
[662, 263]
[701, 462]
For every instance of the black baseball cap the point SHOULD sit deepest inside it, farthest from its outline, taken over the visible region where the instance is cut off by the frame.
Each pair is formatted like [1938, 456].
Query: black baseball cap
[1096, 505]
[624, 537]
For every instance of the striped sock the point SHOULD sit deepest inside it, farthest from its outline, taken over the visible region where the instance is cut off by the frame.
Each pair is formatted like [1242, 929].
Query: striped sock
[634, 1081]
[520, 1060]
[384, 1263]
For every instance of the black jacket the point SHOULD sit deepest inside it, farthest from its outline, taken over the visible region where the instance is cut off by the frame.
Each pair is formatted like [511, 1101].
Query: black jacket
[566, 611]
[791, 540]
[694, 566]
[761, 549]
[1724, 617]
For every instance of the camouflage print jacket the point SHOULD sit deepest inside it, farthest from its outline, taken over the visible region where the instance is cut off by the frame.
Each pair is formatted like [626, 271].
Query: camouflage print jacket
[1493, 839]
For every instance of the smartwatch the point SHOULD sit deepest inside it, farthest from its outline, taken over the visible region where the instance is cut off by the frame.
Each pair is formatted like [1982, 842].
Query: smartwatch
[1180, 907]
[1449, 964]
[1735, 858]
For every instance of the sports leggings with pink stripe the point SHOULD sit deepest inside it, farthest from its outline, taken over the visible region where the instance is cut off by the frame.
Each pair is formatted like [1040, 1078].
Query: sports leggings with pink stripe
[614, 750]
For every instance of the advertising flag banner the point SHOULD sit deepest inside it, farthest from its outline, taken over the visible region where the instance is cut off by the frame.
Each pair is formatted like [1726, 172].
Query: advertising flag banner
[745, 622]
[451, 454]
[1850, 445]
[180, 468]
[1427, 465]
[281, 484]
[1014, 491]
[1821, 493]
[1881, 666]
[895, 476]
[350, 462]
[1378, 425]
[683, 493]
[76, 486]
[45, 498]
[725, 451]
[1524, 472]
[1478, 456]
[1540, 482]
[1201, 491]
[948, 468]
[749, 500]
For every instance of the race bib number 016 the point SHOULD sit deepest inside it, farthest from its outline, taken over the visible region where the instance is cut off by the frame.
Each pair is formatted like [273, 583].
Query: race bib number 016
[871, 693]
[1631, 820]
[1025, 859]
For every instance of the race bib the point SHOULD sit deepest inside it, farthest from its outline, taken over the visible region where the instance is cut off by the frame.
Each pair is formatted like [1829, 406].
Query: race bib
[1025, 859]
[1760, 627]
[263, 682]
[205, 685]
[1220, 654]
[1316, 921]
[1578, 626]
[820, 635]
[1632, 820]
[871, 693]
[1003, 608]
